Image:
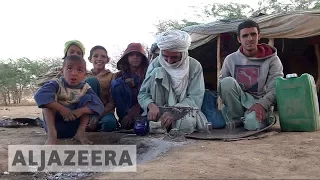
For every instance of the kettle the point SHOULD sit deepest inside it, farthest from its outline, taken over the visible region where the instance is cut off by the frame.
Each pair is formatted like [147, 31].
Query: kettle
[141, 126]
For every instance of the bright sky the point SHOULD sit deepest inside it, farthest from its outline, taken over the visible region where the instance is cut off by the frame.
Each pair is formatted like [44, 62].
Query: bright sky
[39, 28]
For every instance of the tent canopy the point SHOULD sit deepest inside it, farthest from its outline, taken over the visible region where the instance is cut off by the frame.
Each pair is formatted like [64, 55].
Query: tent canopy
[293, 25]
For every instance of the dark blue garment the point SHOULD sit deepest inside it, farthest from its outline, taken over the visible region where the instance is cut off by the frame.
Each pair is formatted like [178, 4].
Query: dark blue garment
[319, 100]
[65, 129]
[124, 96]
[209, 109]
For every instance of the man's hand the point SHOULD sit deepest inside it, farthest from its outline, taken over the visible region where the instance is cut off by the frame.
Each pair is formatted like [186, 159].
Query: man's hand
[153, 112]
[67, 114]
[166, 119]
[260, 112]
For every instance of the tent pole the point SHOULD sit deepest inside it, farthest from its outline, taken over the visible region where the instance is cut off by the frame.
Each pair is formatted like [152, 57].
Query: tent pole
[317, 52]
[218, 67]
[271, 42]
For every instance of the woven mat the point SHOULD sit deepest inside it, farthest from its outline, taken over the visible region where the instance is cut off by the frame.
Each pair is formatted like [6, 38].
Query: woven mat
[238, 133]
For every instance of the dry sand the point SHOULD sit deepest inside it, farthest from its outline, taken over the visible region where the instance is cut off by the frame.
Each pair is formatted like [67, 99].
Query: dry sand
[284, 155]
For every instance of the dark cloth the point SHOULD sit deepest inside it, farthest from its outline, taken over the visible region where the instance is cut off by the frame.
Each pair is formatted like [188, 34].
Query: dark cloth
[125, 96]
[64, 129]
[210, 110]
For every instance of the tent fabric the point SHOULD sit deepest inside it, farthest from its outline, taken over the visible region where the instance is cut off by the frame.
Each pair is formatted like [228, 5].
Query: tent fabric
[293, 25]
[200, 39]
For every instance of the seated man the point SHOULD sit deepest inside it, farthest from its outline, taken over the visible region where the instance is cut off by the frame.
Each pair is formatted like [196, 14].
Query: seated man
[247, 79]
[173, 79]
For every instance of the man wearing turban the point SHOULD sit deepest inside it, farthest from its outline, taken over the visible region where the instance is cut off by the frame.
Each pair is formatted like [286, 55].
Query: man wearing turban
[174, 79]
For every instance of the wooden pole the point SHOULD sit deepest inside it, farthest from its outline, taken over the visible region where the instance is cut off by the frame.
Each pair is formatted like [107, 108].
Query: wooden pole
[317, 52]
[271, 42]
[218, 67]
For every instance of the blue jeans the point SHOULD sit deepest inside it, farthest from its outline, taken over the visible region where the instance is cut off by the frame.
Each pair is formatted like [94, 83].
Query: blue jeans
[210, 110]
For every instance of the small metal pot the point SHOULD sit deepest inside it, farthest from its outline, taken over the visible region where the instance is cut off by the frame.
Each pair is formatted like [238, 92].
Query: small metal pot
[141, 127]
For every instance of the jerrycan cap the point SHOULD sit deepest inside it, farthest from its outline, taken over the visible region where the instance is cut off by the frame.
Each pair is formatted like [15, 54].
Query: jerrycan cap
[291, 75]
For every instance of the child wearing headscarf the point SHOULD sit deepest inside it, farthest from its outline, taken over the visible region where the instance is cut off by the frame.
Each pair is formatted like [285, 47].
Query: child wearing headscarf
[72, 47]
[133, 65]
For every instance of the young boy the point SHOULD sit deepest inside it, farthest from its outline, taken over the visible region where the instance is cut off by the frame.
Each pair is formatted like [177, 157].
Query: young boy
[67, 102]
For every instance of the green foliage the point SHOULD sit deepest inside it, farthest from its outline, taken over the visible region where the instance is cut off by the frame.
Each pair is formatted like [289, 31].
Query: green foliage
[228, 11]
[19, 74]
[316, 5]
[276, 6]
[216, 11]
[165, 25]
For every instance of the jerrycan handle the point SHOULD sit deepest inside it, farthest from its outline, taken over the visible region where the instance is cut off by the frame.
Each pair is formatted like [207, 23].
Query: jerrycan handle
[293, 75]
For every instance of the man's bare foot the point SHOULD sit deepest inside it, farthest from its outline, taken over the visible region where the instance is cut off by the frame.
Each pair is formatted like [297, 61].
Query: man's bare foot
[51, 141]
[83, 138]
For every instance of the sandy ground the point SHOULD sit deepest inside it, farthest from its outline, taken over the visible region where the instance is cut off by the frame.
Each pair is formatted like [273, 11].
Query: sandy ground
[281, 156]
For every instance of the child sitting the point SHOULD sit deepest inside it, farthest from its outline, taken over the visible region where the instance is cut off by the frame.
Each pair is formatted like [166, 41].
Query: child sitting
[67, 102]
[99, 78]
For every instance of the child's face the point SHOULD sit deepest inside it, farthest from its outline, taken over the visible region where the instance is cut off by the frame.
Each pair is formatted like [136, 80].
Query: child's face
[74, 50]
[99, 59]
[74, 72]
[135, 59]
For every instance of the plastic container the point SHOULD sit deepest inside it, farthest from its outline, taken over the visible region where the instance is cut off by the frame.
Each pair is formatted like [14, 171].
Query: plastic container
[297, 103]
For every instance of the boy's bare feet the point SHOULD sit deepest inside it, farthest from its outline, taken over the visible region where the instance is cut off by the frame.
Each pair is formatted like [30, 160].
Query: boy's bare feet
[49, 115]
[83, 138]
[51, 141]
